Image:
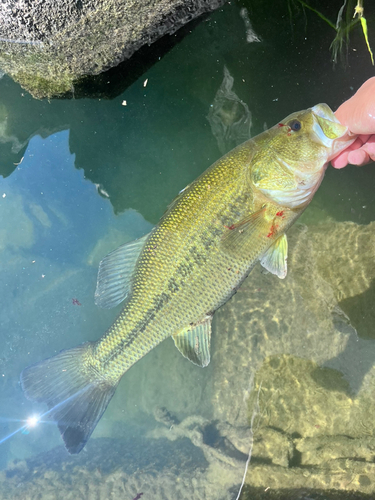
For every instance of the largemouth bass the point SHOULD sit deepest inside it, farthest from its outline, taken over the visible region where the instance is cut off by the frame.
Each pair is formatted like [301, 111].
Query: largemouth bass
[174, 278]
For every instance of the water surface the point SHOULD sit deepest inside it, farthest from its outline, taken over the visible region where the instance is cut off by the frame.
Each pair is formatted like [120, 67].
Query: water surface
[82, 176]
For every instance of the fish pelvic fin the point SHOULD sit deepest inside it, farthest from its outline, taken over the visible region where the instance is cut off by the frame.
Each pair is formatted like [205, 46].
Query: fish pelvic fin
[194, 341]
[275, 258]
[75, 393]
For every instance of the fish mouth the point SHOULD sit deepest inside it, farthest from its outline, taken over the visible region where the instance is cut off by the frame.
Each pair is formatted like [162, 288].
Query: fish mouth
[327, 127]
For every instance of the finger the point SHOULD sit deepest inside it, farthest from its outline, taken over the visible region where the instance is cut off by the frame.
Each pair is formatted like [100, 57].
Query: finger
[358, 113]
[369, 148]
[363, 155]
[341, 160]
[361, 139]
[358, 157]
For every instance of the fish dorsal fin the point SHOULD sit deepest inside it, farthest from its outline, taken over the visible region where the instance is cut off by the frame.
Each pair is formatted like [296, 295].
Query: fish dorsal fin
[275, 258]
[116, 272]
[194, 342]
[239, 238]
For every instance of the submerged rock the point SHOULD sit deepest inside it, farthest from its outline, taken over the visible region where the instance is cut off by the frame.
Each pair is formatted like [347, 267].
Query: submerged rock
[290, 349]
[122, 469]
[306, 315]
[48, 45]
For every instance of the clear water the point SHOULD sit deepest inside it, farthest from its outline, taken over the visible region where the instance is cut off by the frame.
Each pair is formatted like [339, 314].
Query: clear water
[291, 378]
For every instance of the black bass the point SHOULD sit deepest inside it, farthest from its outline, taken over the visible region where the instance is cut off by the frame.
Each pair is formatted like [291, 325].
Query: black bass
[174, 278]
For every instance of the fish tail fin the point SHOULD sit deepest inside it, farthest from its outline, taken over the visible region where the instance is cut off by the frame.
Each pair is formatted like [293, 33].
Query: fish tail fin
[75, 392]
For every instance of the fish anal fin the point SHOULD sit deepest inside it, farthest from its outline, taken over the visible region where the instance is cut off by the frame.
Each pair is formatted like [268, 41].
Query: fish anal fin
[116, 272]
[194, 342]
[275, 258]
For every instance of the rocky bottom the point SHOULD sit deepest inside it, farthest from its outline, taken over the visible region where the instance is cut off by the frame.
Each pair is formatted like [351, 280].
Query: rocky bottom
[193, 460]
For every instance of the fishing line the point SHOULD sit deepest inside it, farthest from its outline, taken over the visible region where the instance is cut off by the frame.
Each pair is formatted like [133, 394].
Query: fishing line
[255, 413]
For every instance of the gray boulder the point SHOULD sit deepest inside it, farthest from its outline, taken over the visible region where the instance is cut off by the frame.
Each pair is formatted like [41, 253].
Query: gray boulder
[47, 45]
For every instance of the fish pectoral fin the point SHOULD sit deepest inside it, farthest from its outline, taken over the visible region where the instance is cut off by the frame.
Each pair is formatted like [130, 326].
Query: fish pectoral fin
[116, 272]
[194, 342]
[239, 238]
[275, 258]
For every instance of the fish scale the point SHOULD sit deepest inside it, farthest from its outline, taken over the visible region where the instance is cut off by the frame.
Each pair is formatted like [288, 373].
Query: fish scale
[214, 188]
[174, 279]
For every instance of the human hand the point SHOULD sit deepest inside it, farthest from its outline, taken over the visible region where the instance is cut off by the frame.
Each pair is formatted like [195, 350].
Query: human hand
[358, 114]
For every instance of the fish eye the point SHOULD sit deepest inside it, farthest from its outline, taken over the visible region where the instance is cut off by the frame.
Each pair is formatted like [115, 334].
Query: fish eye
[295, 125]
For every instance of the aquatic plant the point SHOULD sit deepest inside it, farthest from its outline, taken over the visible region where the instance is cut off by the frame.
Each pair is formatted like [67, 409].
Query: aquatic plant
[349, 16]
